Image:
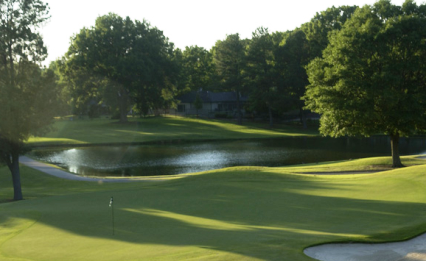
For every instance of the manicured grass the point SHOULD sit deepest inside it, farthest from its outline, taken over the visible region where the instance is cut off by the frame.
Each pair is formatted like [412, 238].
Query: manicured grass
[162, 129]
[241, 213]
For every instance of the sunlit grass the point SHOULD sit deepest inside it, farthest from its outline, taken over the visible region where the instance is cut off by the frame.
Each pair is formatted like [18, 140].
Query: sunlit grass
[365, 164]
[157, 129]
[46, 140]
[238, 213]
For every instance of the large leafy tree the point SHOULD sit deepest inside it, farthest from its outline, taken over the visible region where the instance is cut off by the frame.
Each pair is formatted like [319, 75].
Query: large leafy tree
[134, 56]
[80, 88]
[260, 72]
[196, 69]
[302, 45]
[64, 98]
[229, 60]
[26, 92]
[292, 55]
[372, 77]
[322, 24]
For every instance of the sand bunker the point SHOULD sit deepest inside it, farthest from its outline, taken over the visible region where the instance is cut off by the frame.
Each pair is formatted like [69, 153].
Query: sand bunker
[410, 250]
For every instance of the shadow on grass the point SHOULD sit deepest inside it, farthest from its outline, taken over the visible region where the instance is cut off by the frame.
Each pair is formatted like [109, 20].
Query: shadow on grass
[261, 215]
[151, 129]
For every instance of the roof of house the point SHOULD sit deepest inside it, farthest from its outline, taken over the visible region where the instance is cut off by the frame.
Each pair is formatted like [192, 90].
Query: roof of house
[209, 97]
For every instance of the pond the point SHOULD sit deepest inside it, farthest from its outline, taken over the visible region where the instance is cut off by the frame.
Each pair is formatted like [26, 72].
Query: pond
[148, 160]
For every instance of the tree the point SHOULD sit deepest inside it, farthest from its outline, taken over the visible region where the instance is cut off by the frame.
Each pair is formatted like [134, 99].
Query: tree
[62, 89]
[260, 70]
[372, 77]
[292, 57]
[196, 69]
[229, 60]
[320, 26]
[132, 55]
[81, 88]
[302, 45]
[25, 91]
[198, 103]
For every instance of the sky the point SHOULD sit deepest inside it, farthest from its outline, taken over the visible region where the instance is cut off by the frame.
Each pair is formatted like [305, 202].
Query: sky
[184, 22]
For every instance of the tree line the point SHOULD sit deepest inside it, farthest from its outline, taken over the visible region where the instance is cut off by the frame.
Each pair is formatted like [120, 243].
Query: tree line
[129, 64]
[361, 68]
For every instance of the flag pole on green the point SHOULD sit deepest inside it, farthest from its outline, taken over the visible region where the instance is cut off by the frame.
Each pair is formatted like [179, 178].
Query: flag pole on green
[111, 205]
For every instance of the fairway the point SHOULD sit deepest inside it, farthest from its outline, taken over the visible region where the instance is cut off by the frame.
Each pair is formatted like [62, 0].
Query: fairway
[160, 130]
[243, 213]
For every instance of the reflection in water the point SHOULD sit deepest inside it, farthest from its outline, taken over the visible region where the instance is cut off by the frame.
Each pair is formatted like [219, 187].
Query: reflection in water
[150, 160]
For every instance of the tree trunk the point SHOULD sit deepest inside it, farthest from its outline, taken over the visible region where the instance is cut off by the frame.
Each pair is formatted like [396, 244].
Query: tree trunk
[16, 177]
[123, 116]
[396, 160]
[303, 119]
[123, 105]
[12, 66]
[271, 118]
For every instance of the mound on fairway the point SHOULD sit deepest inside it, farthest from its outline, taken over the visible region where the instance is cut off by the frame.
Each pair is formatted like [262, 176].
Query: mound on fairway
[232, 214]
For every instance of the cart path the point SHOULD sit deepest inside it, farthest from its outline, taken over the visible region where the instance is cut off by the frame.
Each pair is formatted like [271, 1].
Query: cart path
[45, 168]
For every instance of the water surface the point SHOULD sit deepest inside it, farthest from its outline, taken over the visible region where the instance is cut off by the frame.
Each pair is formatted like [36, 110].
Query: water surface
[147, 160]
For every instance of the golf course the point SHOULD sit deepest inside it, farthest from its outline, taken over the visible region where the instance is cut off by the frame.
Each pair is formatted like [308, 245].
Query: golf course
[238, 213]
[212, 131]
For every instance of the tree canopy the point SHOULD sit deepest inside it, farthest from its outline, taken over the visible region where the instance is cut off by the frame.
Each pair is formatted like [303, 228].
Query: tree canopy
[229, 60]
[260, 73]
[322, 24]
[196, 68]
[292, 55]
[372, 77]
[134, 56]
[27, 93]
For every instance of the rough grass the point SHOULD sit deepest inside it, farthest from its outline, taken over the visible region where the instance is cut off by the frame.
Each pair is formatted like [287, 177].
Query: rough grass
[160, 129]
[240, 213]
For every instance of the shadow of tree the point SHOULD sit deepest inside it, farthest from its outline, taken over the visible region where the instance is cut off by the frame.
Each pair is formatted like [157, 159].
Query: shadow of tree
[101, 131]
[265, 215]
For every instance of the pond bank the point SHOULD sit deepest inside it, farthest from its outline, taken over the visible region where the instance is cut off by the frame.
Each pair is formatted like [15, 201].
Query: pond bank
[155, 159]
[156, 142]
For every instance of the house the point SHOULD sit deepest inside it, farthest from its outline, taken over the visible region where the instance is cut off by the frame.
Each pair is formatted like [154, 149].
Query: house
[213, 103]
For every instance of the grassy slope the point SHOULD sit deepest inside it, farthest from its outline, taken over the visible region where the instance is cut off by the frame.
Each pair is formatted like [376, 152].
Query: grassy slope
[238, 213]
[157, 129]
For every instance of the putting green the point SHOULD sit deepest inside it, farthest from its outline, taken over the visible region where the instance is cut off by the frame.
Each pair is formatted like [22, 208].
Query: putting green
[243, 213]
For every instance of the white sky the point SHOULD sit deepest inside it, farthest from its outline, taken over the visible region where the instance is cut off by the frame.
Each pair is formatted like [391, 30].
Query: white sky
[185, 22]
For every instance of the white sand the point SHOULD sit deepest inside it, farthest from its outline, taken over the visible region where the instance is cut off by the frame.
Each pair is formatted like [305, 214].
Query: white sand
[410, 250]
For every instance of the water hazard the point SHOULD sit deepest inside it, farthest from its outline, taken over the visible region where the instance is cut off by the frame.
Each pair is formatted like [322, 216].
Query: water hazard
[148, 160]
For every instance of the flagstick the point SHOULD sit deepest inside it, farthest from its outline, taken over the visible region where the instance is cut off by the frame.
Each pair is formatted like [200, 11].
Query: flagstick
[111, 204]
[113, 228]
